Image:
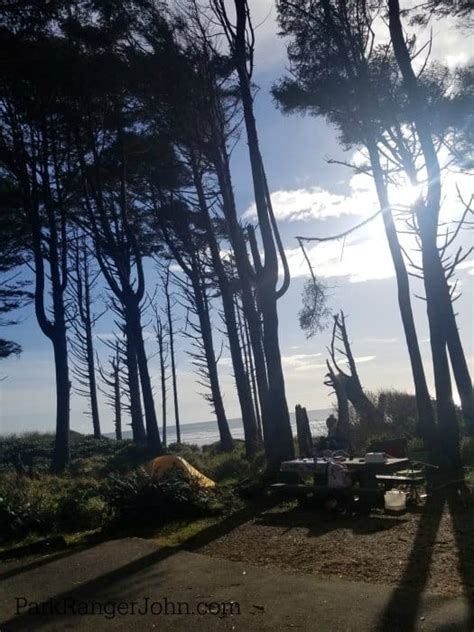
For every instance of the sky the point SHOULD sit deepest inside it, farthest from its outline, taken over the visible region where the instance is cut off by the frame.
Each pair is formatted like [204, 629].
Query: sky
[310, 197]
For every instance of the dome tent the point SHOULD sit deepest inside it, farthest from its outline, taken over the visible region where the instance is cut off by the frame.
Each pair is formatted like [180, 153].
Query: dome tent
[162, 464]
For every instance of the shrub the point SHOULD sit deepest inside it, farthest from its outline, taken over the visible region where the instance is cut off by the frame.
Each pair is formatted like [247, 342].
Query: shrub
[138, 497]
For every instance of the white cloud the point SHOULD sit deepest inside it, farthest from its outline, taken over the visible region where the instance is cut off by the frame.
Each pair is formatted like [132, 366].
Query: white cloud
[317, 203]
[298, 360]
[362, 359]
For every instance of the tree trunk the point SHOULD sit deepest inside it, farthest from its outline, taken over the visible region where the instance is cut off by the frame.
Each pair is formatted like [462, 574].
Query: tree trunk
[449, 455]
[252, 316]
[173, 359]
[439, 307]
[152, 432]
[243, 386]
[426, 420]
[161, 352]
[63, 389]
[92, 381]
[208, 345]
[138, 428]
[117, 405]
[283, 449]
[282, 440]
[249, 367]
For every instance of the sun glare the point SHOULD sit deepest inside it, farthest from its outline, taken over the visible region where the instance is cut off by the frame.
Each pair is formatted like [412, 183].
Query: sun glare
[407, 194]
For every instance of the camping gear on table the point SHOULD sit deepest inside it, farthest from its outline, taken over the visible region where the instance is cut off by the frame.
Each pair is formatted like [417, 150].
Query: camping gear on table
[395, 500]
[162, 464]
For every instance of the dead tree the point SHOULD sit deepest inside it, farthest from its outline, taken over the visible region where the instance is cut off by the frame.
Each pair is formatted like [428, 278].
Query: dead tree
[346, 382]
[83, 321]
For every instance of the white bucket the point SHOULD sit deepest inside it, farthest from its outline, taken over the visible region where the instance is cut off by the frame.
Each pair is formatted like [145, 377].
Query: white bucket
[395, 500]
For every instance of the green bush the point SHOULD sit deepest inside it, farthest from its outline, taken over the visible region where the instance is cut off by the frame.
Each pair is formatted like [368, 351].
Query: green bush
[139, 497]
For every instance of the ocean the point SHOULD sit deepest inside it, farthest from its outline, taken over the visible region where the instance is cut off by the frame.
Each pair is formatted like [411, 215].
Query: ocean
[205, 432]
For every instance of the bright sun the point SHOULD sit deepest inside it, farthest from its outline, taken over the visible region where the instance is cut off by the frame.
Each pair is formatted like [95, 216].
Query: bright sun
[407, 194]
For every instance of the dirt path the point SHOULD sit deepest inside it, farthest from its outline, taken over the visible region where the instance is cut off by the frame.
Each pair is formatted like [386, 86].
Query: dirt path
[421, 549]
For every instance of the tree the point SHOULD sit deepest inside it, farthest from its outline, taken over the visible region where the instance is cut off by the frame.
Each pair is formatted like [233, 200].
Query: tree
[240, 37]
[36, 155]
[342, 74]
[160, 333]
[186, 246]
[83, 321]
[171, 338]
[14, 292]
[441, 317]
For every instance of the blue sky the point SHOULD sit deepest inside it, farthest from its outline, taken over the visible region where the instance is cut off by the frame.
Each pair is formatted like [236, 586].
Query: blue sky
[310, 197]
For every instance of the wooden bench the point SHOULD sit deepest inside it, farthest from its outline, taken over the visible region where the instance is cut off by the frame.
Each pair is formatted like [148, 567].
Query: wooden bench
[367, 496]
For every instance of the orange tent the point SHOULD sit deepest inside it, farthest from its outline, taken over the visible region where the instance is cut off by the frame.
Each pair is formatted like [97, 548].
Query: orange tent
[157, 467]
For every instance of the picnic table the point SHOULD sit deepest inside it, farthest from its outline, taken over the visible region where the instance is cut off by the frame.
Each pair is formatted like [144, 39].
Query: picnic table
[356, 464]
[363, 472]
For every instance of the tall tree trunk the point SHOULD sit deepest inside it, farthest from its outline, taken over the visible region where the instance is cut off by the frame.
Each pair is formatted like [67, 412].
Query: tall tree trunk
[138, 428]
[249, 366]
[202, 308]
[117, 403]
[245, 273]
[449, 456]
[93, 385]
[282, 440]
[439, 307]
[242, 384]
[63, 389]
[426, 419]
[152, 432]
[459, 366]
[91, 362]
[161, 353]
[172, 358]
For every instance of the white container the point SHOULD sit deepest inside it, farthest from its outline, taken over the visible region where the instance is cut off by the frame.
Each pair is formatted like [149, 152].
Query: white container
[395, 500]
